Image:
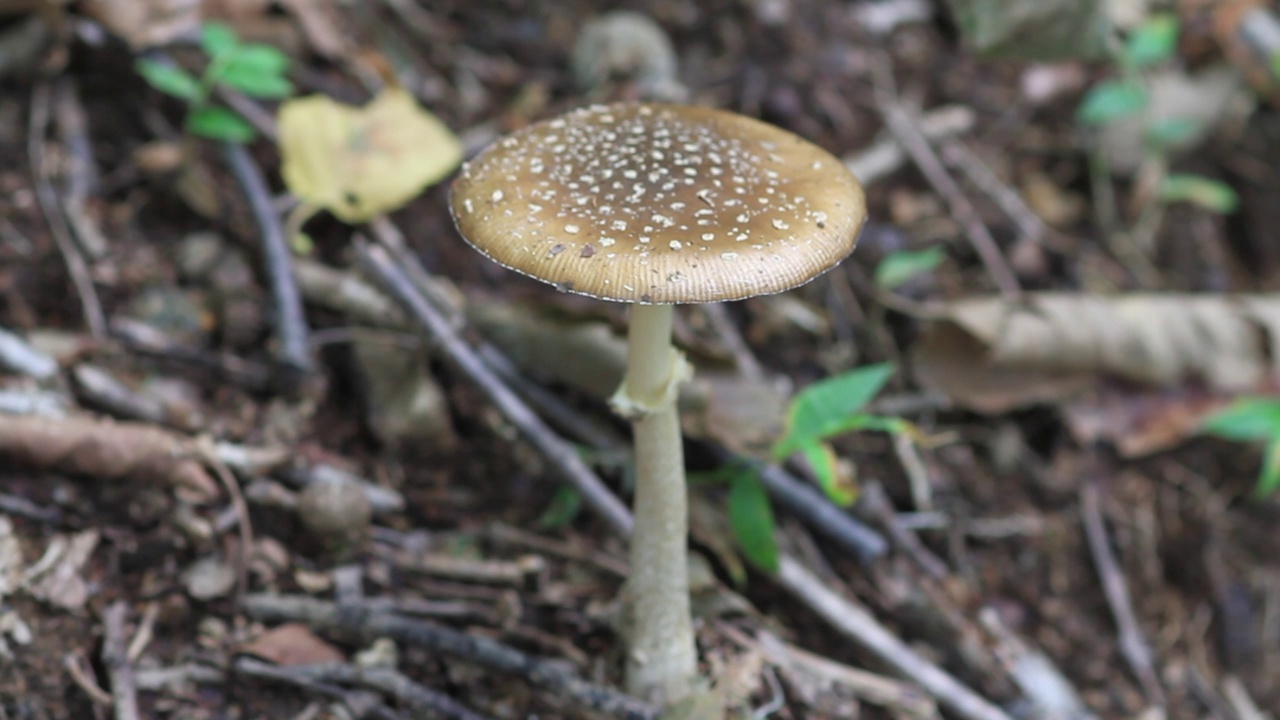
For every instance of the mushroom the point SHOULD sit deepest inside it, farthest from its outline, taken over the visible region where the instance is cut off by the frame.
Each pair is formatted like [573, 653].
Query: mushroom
[657, 205]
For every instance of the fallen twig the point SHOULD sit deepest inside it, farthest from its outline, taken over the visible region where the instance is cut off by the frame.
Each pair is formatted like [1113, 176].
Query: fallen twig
[22, 507]
[115, 656]
[81, 174]
[18, 356]
[385, 680]
[359, 620]
[360, 703]
[856, 623]
[555, 449]
[900, 122]
[1133, 646]
[75, 665]
[209, 453]
[291, 321]
[885, 156]
[1029, 224]
[146, 340]
[90, 306]
[875, 504]
[104, 449]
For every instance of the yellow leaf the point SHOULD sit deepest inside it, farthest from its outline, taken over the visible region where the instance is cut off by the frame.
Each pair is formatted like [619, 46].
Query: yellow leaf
[358, 163]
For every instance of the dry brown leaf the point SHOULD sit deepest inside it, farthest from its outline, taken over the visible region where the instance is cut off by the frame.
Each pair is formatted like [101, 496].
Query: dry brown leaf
[1140, 423]
[993, 355]
[292, 644]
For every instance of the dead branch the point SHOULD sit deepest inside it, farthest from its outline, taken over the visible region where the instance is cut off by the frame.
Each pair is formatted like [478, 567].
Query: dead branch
[854, 622]
[90, 306]
[359, 620]
[115, 656]
[1133, 646]
[291, 321]
[905, 128]
[554, 448]
[385, 680]
[104, 449]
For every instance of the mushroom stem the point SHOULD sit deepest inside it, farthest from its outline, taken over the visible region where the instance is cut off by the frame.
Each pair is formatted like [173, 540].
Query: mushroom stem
[662, 661]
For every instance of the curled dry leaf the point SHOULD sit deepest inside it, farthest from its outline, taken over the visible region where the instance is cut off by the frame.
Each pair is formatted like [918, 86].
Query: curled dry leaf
[104, 449]
[362, 162]
[292, 644]
[993, 354]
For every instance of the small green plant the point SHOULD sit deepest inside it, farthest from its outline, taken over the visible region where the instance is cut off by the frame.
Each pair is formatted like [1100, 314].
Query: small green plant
[1253, 420]
[815, 415]
[1152, 44]
[251, 68]
[901, 267]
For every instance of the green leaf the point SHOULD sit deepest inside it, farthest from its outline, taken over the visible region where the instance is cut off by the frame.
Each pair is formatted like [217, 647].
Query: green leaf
[218, 39]
[253, 82]
[257, 58]
[822, 461]
[169, 79]
[1153, 42]
[220, 124]
[1269, 478]
[563, 508]
[1209, 194]
[1275, 65]
[821, 410]
[900, 267]
[1111, 100]
[751, 517]
[1164, 134]
[1245, 420]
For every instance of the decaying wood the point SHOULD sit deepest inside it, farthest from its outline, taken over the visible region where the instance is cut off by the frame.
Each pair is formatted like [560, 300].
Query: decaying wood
[104, 449]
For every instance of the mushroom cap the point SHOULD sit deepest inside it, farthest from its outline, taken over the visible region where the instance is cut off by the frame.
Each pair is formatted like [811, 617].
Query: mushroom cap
[652, 203]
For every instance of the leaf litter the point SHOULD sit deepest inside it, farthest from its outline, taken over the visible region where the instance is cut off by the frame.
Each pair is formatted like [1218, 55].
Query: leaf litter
[1017, 612]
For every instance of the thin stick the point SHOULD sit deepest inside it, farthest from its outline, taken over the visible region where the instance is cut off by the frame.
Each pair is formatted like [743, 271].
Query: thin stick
[1133, 646]
[554, 448]
[885, 156]
[74, 664]
[90, 306]
[385, 680]
[291, 321]
[363, 622]
[1006, 198]
[209, 454]
[81, 176]
[875, 503]
[856, 623]
[115, 656]
[900, 122]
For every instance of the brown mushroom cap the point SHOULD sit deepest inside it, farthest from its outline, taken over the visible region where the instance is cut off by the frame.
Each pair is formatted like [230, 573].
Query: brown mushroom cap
[653, 203]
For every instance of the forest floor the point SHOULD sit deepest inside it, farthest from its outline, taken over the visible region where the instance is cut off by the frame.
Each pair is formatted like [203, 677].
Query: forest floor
[1054, 534]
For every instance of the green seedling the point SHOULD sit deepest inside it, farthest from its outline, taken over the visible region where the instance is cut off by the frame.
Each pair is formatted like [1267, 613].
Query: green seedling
[1253, 420]
[1150, 45]
[251, 68]
[903, 266]
[815, 415]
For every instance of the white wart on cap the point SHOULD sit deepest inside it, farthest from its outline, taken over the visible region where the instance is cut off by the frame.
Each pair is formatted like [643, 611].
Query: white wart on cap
[649, 203]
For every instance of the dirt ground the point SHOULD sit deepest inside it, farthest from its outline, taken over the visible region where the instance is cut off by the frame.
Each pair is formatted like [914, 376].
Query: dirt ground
[994, 555]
